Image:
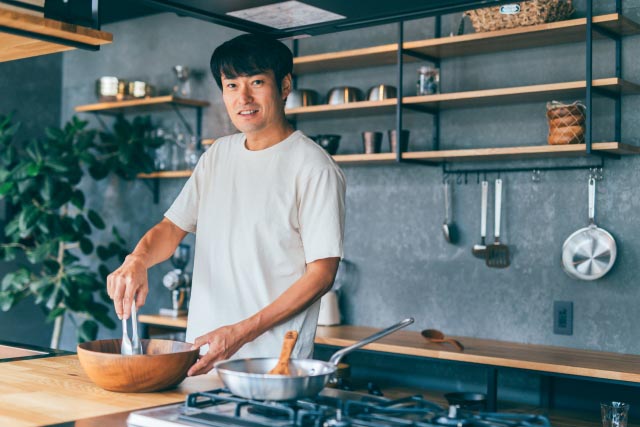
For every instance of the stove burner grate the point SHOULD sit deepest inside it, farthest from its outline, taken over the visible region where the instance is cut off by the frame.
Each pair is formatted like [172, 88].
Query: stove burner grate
[225, 409]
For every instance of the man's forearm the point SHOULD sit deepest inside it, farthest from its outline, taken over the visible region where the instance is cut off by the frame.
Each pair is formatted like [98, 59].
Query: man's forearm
[159, 243]
[316, 281]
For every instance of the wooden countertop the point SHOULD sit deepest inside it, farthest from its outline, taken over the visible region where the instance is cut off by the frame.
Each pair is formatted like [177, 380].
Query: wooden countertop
[543, 358]
[54, 390]
[535, 357]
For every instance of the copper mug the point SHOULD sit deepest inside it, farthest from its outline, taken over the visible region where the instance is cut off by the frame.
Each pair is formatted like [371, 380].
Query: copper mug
[372, 142]
[404, 140]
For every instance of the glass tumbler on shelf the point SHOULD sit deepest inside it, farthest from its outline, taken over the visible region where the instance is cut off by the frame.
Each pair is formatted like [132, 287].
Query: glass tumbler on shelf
[428, 80]
[182, 89]
[191, 152]
[614, 414]
[161, 154]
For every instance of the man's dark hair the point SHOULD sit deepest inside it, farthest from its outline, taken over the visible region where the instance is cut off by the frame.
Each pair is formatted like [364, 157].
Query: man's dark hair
[249, 54]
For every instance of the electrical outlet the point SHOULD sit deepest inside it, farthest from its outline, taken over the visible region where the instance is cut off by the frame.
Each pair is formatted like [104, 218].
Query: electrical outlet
[563, 317]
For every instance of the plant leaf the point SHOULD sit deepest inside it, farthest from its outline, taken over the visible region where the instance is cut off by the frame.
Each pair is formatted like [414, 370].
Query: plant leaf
[87, 331]
[95, 219]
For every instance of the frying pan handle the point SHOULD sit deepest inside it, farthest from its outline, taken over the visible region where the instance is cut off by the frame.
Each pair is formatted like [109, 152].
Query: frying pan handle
[592, 200]
[338, 355]
[483, 209]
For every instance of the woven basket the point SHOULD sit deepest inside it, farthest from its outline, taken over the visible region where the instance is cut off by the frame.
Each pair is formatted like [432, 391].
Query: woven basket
[519, 14]
[566, 123]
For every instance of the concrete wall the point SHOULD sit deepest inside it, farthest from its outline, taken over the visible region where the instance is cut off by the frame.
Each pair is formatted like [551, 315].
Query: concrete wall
[403, 266]
[30, 90]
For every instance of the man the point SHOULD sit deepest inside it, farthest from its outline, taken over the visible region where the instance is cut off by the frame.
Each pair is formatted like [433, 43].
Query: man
[268, 207]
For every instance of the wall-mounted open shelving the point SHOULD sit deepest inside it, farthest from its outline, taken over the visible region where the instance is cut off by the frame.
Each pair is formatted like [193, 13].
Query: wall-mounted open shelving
[612, 25]
[582, 30]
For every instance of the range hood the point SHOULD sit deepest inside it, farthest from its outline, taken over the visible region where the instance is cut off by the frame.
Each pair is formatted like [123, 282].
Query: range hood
[300, 18]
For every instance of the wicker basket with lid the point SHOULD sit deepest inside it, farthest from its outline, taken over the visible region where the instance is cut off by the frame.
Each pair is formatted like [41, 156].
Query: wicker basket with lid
[519, 14]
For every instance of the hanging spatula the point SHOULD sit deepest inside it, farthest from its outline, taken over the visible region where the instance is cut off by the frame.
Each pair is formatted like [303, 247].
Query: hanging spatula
[497, 254]
[282, 367]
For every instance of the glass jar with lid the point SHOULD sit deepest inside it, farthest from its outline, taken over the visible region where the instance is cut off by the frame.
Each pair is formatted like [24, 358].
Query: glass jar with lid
[428, 80]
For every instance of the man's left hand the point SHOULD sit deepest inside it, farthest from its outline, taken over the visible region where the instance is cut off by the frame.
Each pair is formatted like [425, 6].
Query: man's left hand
[223, 343]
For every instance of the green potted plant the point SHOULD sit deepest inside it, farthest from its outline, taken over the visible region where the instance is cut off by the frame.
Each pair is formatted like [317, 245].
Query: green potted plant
[48, 228]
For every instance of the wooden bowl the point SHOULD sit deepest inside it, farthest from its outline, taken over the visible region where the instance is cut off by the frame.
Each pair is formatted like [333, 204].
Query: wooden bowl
[163, 365]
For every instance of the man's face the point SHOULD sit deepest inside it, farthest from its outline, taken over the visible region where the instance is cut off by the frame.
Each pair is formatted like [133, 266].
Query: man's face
[254, 103]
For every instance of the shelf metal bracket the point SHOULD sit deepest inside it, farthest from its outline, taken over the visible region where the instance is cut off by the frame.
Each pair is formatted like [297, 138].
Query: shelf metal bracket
[183, 120]
[420, 55]
[420, 108]
[606, 32]
[420, 162]
[98, 117]
[154, 185]
[606, 93]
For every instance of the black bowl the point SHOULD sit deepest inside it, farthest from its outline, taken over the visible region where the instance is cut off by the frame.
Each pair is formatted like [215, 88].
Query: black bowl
[328, 142]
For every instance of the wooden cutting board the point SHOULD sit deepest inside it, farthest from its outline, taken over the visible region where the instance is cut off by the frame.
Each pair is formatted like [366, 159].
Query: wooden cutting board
[55, 389]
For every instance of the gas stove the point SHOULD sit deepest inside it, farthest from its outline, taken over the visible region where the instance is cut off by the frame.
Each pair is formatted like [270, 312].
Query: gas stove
[331, 408]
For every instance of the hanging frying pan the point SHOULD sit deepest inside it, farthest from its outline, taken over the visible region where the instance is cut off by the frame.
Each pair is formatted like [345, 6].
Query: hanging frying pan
[589, 253]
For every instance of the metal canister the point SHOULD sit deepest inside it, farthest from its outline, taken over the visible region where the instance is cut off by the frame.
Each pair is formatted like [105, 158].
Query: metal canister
[138, 89]
[109, 88]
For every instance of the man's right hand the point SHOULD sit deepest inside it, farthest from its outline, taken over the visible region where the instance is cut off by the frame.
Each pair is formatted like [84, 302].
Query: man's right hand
[129, 280]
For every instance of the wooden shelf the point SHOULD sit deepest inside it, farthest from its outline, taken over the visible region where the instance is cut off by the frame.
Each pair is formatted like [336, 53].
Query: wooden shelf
[542, 358]
[165, 174]
[474, 98]
[17, 47]
[499, 153]
[158, 320]
[569, 31]
[543, 151]
[155, 103]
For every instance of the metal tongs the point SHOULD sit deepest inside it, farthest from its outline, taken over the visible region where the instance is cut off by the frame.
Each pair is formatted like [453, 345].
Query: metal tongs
[131, 346]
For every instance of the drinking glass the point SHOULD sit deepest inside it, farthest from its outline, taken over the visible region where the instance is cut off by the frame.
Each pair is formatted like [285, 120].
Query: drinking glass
[191, 152]
[614, 414]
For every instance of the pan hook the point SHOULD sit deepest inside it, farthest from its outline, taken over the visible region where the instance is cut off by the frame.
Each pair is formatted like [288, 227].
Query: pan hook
[535, 175]
[596, 173]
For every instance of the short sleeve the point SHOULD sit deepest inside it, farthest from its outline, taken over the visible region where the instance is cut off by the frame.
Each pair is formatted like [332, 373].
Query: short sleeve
[321, 214]
[184, 209]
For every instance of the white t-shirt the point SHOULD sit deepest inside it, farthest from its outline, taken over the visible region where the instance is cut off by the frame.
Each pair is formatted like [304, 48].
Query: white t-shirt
[259, 218]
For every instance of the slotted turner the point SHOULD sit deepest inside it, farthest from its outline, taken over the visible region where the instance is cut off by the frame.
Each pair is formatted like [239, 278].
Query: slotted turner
[497, 254]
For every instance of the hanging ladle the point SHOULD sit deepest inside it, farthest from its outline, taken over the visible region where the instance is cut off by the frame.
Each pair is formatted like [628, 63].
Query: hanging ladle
[435, 336]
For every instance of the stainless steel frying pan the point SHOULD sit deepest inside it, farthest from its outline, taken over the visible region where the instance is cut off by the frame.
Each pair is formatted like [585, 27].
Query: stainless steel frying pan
[248, 378]
[589, 253]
